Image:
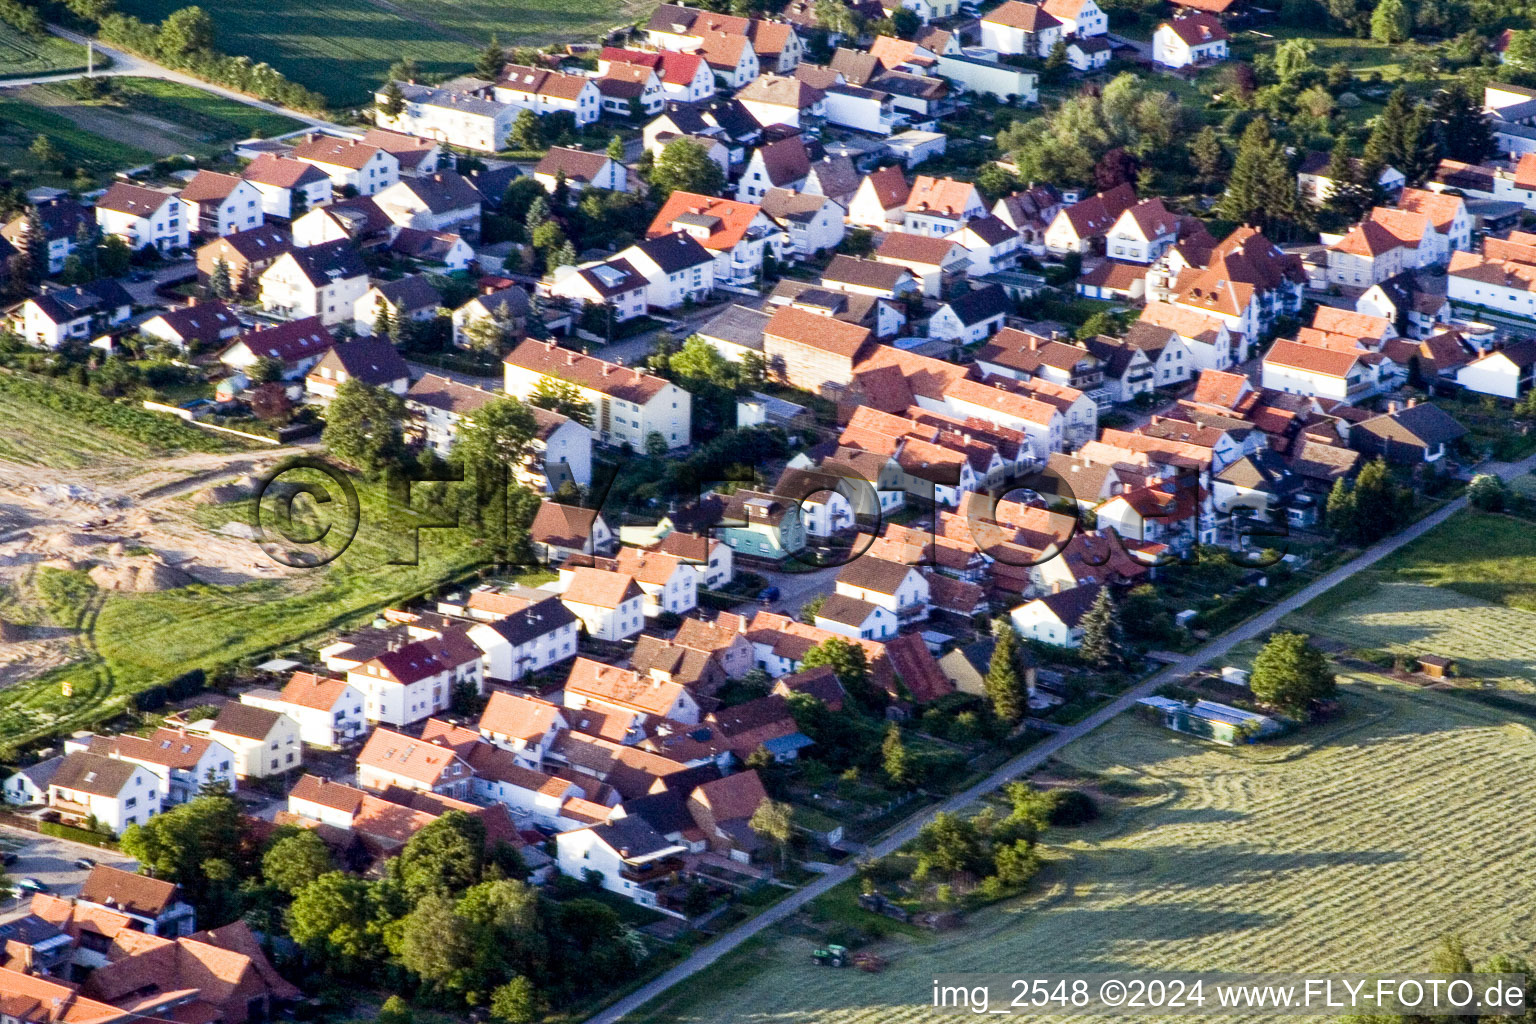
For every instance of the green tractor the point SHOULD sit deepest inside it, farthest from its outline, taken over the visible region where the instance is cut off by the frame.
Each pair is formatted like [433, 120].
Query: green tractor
[832, 956]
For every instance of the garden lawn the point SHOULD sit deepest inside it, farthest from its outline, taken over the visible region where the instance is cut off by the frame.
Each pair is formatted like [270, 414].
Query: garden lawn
[1353, 846]
[343, 48]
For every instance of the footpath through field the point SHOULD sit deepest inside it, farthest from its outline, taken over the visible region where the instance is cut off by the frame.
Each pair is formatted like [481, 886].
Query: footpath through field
[1037, 755]
[124, 63]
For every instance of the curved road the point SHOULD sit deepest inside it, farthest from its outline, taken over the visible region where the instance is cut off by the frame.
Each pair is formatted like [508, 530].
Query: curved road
[124, 63]
[1037, 755]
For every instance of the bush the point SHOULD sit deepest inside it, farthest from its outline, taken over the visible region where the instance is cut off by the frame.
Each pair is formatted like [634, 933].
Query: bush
[1071, 807]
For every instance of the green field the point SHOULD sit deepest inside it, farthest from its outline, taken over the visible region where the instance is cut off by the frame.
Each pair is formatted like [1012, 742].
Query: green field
[1353, 846]
[22, 56]
[1465, 590]
[21, 122]
[342, 48]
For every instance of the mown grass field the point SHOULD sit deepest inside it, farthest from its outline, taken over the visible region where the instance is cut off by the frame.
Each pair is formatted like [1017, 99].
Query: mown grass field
[342, 48]
[22, 56]
[1353, 846]
[22, 122]
[1465, 590]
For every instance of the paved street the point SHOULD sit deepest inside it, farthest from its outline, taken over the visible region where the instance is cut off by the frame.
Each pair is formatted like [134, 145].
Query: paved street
[51, 861]
[1038, 754]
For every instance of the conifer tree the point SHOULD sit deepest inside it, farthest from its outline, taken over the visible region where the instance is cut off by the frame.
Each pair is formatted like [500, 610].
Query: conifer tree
[1006, 686]
[1103, 640]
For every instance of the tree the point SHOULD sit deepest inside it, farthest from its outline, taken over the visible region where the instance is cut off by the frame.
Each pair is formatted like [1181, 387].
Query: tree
[404, 70]
[895, 761]
[684, 166]
[1351, 195]
[527, 133]
[185, 33]
[812, 608]
[1207, 156]
[1462, 128]
[516, 1002]
[396, 1011]
[1391, 23]
[773, 820]
[491, 60]
[295, 861]
[1056, 65]
[564, 398]
[1116, 167]
[362, 426]
[45, 152]
[1379, 501]
[1339, 513]
[115, 257]
[435, 943]
[1293, 62]
[219, 281]
[1487, 493]
[445, 856]
[1520, 54]
[393, 103]
[616, 149]
[498, 433]
[905, 23]
[950, 844]
[1260, 188]
[332, 917]
[1291, 674]
[268, 370]
[848, 661]
[656, 444]
[270, 403]
[1101, 322]
[1401, 138]
[1006, 682]
[179, 844]
[1103, 640]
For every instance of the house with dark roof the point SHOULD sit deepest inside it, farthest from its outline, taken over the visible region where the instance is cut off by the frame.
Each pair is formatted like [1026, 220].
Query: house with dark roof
[223, 203]
[182, 762]
[80, 313]
[1412, 434]
[441, 201]
[972, 316]
[899, 588]
[628, 855]
[543, 91]
[811, 351]
[783, 163]
[61, 219]
[94, 786]
[869, 277]
[373, 361]
[1021, 28]
[1055, 619]
[676, 267]
[329, 710]
[245, 254]
[358, 220]
[507, 306]
[580, 169]
[349, 162]
[195, 325]
[297, 344]
[265, 742]
[437, 406]
[1191, 40]
[322, 281]
[409, 298]
[145, 217]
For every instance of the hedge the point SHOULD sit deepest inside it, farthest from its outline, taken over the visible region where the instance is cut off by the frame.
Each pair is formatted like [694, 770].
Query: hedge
[76, 835]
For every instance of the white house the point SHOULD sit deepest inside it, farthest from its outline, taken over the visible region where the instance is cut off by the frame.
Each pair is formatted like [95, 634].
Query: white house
[609, 604]
[941, 206]
[971, 317]
[809, 224]
[1088, 53]
[991, 243]
[30, 785]
[115, 793]
[736, 233]
[580, 169]
[1504, 373]
[264, 742]
[350, 163]
[1143, 233]
[543, 91]
[463, 113]
[676, 269]
[612, 283]
[321, 280]
[1196, 39]
[1080, 18]
[685, 77]
[506, 306]
[145, 217]
[626, 855]
[881, 199]
[1344, 376]
[628, 404]
[1021, 28]
[1055, 619]
[329, 711]
[900, 589]
[223, 203]
[441, 201]
[288, 187]
[670, 584]
[527, 727]
[403, 685]
[851, 617]
[79, 313]
[297, 344]
[183, 763]
[540, 632]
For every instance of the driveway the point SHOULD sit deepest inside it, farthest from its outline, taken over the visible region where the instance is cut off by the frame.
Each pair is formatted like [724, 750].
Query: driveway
[51, 861]
[796, 588]
[1044, 750]
[143, 292]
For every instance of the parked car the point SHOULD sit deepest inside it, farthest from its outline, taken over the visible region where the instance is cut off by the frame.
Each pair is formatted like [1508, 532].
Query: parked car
[26, 885]
[768, 595]
[85, 863]
[9, 859]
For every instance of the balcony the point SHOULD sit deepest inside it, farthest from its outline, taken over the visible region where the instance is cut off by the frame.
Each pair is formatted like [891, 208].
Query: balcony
[652, 870]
